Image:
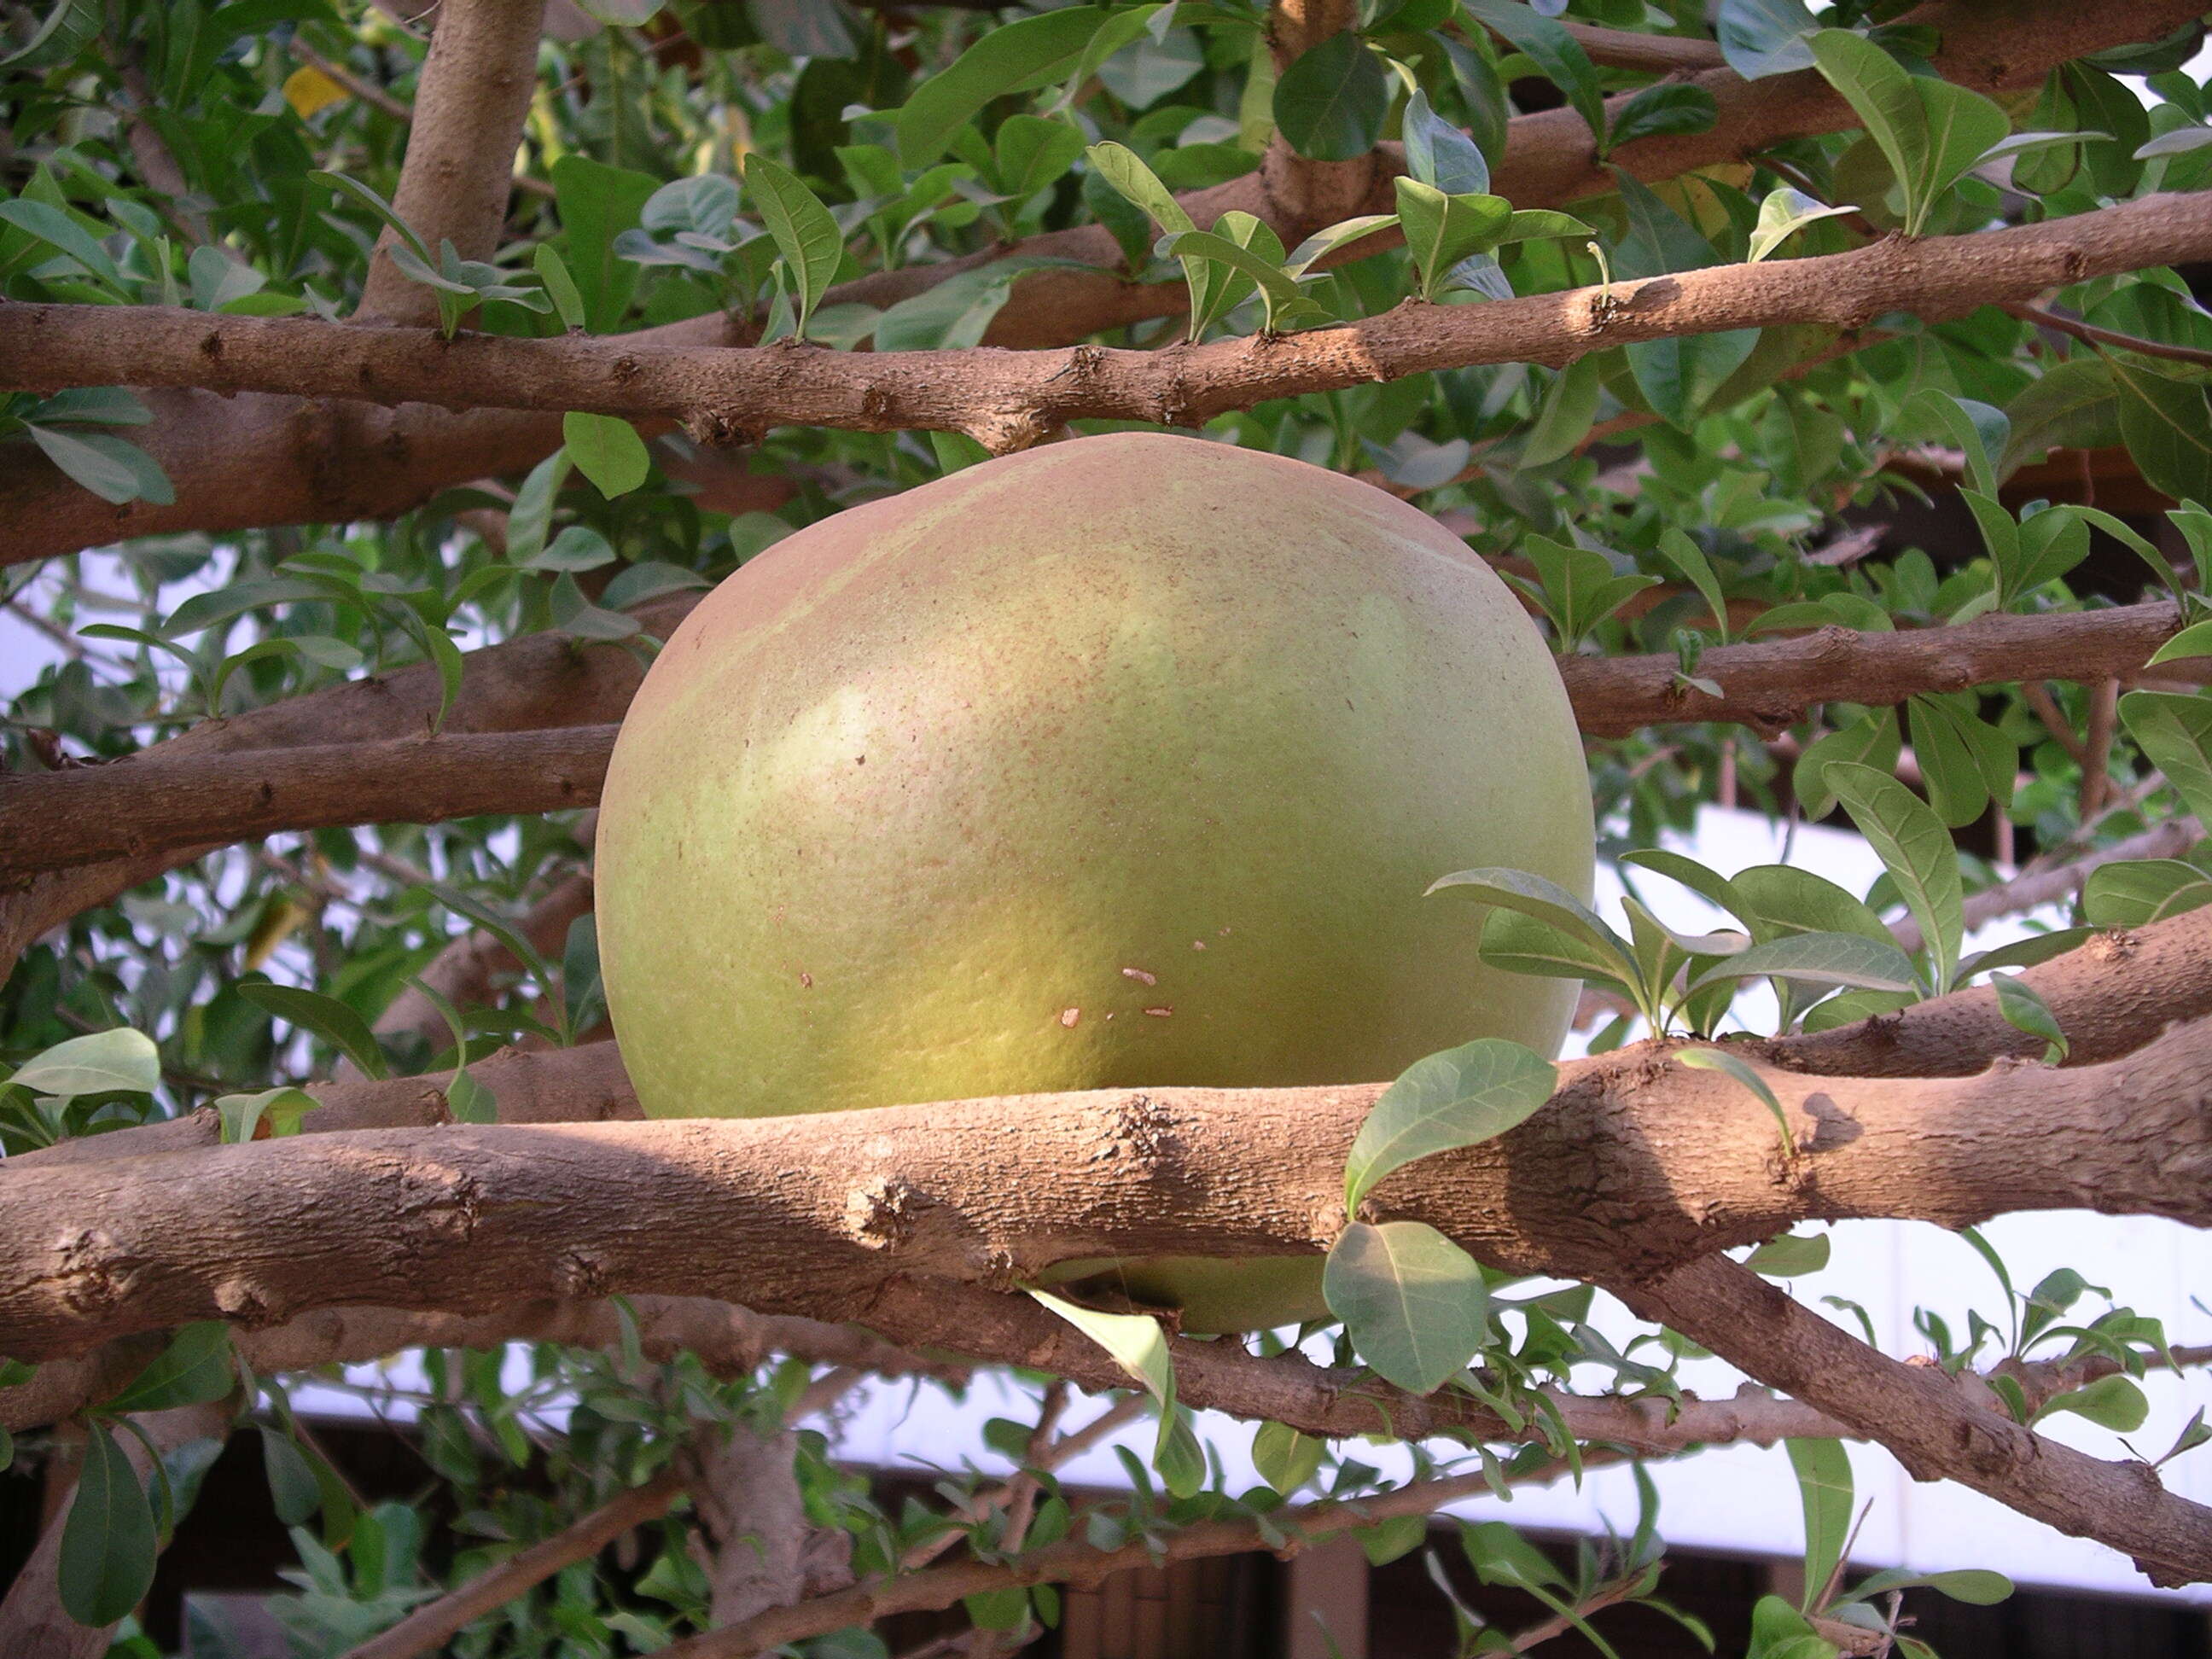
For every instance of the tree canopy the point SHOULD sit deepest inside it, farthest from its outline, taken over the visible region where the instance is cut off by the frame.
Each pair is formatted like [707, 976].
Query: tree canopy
[381, 385]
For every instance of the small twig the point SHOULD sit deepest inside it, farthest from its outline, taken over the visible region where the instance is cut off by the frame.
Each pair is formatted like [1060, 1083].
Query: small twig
[2094, 335]
[2038, 697]
[2096, 780]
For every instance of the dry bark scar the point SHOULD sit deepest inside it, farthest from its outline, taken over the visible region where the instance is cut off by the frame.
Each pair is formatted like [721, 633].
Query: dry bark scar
[881, 1211]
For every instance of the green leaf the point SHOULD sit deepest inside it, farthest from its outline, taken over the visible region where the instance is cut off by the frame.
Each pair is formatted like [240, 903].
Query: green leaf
[1326, 241]
[2194, 640]
[1441, 230]
[1581, 588]
[54, 227]
[196, 1369]
[1330, 104]
[1546, 43]
[1931, 130]
[1135, 1341]
[598, 203]
[1818, 959]
[1872, 739]
[1686, 556]
[2025, 1010]
[107, 1550]
[1439, 155]
[579, 547]
[2175, 731]
[1667, 107]
[96, 1065]
[2024, 953]
[1500, 1555]
[240, 1115]
[1824, 1488]
[568, 299]
[607, 450]
[89, 462]
[293, 1488]
[2126, 535]
[2166, 425]
[1412, 1302]
[1120, 167]
[2111, 1402]
[383, 210]
[805, 233]
[1917, 852]
[1759, 38]
[1975, 1586]
[1516, 944]
[1547, 901]
[470, 1099]
[1789, 1256]
[1784, 214]
[1286, 1459]
[1460, 1098]
[1280, 290]
[67, 27]
[1978, 431]
[1005, 58]
[326, 1017]
[1564, 417]
[2136, 893]
[2072, 404]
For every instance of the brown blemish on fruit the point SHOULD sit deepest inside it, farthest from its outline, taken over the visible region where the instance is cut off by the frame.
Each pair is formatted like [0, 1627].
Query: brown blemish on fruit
[1141, 977]
[1069, 1016]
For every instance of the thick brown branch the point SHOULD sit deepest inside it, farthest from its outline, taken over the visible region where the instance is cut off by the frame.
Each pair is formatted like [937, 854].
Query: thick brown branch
[166, 802]
[458, 171]
[2113, 996]
[504, 688]
[127, 811]
[281, 461]
[1008, 400]
[1635, 1164]
[1772, 684]
[1921, 1415]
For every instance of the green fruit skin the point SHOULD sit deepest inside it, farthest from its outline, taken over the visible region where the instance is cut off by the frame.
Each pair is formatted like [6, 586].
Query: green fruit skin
[1121, 762]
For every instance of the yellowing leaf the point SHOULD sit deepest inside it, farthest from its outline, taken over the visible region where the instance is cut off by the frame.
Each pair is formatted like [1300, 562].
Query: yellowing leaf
[307, 90]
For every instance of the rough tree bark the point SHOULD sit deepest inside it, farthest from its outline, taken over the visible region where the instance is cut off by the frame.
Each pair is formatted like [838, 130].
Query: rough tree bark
[285, 460]
[1007, 402]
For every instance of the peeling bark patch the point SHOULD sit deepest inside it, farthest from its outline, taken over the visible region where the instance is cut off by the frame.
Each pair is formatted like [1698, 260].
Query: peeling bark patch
[880, 1214]
[580, 1273]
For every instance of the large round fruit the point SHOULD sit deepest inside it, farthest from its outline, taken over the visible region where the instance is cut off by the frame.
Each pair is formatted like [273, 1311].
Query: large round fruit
[1121, 761]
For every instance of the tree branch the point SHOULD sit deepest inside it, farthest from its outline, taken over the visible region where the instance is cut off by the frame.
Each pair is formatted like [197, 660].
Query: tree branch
[177, 797]
[1921, 1416]
[281, 461]
[2113, 995]
[195, 803]
[1308, 193]
[1008, 401]
[429, 1626]
[1636, 1164]
[459, 167]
